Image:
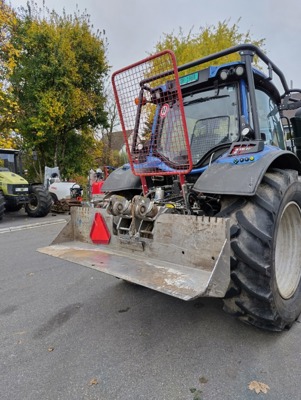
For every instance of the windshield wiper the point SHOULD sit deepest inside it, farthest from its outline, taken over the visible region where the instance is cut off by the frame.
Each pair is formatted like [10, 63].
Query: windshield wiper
[203, 99]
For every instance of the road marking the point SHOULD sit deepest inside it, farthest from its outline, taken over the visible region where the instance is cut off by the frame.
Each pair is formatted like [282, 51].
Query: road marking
[31, 226]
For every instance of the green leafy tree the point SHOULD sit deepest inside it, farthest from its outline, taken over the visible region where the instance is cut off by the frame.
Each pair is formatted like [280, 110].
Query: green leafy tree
[58, 85]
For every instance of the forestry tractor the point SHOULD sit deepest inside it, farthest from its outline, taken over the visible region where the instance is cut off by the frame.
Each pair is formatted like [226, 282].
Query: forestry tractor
[210, 202]
[16, 192]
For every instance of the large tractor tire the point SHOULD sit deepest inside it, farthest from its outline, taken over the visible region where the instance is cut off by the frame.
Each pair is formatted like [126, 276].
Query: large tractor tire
[39, 203]
[266, 253]
[2, 206]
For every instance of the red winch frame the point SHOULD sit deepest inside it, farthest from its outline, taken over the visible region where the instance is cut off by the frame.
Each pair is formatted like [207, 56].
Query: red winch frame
[135, 89]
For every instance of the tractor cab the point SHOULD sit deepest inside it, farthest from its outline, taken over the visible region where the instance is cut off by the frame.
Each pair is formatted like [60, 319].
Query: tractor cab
[217, 111]
[10, 160]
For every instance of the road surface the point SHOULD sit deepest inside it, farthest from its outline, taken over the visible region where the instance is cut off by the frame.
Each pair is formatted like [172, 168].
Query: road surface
[71, 333]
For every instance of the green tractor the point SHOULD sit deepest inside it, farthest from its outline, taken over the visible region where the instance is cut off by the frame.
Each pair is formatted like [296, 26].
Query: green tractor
[16, 191]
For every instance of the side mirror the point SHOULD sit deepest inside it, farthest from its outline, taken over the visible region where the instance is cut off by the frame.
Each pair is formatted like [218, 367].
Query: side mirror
[296, 124]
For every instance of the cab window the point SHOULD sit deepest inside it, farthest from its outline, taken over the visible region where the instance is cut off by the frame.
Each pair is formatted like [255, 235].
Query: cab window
[269, 120]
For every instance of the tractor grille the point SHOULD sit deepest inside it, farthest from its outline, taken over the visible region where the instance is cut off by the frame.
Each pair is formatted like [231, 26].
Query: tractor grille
[17, 189]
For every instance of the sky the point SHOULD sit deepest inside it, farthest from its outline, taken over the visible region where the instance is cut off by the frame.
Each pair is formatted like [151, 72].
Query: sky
[133, 27]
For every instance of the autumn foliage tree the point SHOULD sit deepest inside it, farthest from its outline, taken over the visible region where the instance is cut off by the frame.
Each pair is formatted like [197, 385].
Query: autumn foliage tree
[8, 56]
[210, 39]
[195, 45]
[58, 85]
[53, 71]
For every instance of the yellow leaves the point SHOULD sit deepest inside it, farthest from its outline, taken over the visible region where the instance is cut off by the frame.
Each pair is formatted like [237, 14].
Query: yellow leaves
[7, 18]
[8, 22]
[259, 387]
[93, 381]
[55, 108]
[9, 110]
[80, 102]
[7, 142]
[208, 40]
[53, 112]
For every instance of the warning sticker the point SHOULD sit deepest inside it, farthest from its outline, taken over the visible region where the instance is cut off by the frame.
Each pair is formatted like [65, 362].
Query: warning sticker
[164, 110]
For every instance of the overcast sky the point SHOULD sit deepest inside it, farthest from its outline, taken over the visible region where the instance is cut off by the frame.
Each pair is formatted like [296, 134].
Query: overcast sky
[133, 27]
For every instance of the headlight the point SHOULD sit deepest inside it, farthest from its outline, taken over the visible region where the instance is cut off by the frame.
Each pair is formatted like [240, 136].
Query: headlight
[9, 188]
[239, 70]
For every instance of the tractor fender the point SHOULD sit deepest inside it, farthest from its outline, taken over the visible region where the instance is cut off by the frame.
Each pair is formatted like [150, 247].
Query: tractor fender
[121, 179]
[228, 178]
[35, 184]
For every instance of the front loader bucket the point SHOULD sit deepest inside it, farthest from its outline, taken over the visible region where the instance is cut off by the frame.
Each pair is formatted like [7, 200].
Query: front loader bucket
[187, 257]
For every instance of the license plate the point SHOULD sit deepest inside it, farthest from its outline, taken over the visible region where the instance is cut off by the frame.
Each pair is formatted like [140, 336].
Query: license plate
[21, 189]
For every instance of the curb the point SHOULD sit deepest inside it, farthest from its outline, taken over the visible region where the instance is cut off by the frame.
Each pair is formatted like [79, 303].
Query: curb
[31, 226]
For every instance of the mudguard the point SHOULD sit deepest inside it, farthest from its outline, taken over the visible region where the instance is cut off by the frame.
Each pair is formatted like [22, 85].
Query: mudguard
[121, 179]
[243, 179]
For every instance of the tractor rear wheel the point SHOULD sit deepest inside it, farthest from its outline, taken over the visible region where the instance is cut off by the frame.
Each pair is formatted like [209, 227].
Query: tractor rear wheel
[2, 206]
[266, 253]
[39, 203]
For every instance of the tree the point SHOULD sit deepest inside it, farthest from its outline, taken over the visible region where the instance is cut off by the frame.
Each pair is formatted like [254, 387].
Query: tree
[8, 56]
[109, 156]
[58, 85]
[209, 40]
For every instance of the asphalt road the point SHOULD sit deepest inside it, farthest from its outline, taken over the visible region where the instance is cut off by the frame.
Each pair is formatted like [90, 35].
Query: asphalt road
[71, 333]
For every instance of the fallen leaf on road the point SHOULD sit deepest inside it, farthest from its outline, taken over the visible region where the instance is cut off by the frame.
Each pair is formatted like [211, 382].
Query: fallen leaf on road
[202, 379]
[258, 387]
[50, 349]
[93, 381]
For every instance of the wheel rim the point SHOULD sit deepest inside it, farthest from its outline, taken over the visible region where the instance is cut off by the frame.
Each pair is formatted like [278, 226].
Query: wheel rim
[288, 250]
[33, 202]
